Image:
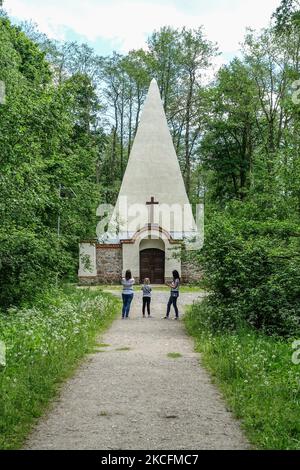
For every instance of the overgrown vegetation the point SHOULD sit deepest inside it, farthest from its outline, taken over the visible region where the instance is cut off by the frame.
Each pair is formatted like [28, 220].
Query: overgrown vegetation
[251, 171]
[257, 377]
[252, 272]
[48, 191]
[44, 344]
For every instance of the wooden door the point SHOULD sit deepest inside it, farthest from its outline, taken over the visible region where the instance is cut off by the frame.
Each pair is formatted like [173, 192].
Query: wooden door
[152, 265]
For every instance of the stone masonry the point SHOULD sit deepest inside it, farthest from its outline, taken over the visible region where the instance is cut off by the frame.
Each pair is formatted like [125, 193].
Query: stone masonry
[191, 272]
[109, 263]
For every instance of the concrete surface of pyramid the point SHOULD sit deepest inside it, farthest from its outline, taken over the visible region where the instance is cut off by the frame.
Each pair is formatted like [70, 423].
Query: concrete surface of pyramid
[153, 171]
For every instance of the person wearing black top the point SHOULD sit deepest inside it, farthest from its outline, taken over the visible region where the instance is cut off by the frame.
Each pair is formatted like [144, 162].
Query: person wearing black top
[146, 288]
[174, 294]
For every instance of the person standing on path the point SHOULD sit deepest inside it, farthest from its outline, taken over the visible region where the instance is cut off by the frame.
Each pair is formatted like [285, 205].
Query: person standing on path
[127, 294]
[146, 296]
[174, 294]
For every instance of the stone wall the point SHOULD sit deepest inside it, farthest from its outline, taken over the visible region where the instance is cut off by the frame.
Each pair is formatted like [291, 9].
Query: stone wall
[109, 268]
[88, 280]
[190, 272]
[109, 264]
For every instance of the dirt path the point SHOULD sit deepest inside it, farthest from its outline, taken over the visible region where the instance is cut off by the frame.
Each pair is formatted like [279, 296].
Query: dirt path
[139, 398]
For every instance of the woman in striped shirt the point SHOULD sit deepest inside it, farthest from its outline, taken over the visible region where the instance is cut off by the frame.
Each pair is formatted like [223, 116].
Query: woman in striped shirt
[127, 294]
[174, 294]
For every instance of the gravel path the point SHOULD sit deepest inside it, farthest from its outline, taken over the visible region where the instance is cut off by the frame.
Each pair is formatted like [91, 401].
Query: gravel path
[138, 397]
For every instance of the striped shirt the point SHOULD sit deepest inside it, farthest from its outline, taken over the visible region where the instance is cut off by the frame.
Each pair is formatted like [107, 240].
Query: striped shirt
[175, 286]
[127, 286]
[146, 290]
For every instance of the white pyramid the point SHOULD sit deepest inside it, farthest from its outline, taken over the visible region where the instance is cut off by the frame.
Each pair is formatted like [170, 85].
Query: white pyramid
[153, 171]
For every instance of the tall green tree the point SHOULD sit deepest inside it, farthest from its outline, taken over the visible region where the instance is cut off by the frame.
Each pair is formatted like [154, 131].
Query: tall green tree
[49, 150]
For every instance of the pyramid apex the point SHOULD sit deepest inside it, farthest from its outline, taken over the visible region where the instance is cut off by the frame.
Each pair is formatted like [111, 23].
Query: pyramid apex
[153, 84]
[153, 92]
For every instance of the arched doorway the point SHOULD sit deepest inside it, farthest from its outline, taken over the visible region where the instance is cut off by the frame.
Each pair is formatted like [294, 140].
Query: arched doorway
[152, 265]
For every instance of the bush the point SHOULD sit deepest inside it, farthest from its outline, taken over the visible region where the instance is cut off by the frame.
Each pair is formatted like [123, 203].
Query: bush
[253, 275]
[29, 264]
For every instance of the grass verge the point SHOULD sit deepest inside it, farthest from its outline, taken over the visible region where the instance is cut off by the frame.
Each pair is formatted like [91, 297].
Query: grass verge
[258, 379]
[44, 345]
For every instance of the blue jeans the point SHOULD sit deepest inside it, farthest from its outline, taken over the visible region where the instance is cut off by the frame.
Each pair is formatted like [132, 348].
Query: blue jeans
[127, 299]
[173, 301]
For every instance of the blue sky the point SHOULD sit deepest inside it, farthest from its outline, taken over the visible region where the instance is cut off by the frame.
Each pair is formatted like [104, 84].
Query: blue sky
[123, 25]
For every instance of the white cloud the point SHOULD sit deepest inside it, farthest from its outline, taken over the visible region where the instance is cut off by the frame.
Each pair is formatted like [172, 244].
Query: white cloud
[127, 23]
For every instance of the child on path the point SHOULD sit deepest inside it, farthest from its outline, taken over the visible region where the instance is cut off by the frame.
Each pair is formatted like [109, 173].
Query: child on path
[146, 288]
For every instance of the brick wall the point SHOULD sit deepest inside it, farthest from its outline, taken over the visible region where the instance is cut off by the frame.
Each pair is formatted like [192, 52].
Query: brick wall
[109, 264]
[109, 268]
[88, 281]
[191, 272]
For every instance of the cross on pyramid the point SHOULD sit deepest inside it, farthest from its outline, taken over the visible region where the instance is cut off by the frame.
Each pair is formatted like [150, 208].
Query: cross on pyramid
[138, 237]
[152, 203]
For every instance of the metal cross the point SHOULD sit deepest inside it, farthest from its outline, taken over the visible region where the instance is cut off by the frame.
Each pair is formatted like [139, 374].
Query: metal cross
[152, 203]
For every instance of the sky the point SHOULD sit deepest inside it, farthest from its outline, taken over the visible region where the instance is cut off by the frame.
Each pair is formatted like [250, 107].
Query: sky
[123, 25]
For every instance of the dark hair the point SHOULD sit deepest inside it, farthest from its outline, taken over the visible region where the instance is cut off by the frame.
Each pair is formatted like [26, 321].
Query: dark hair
[128, 275]
[176, 275]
